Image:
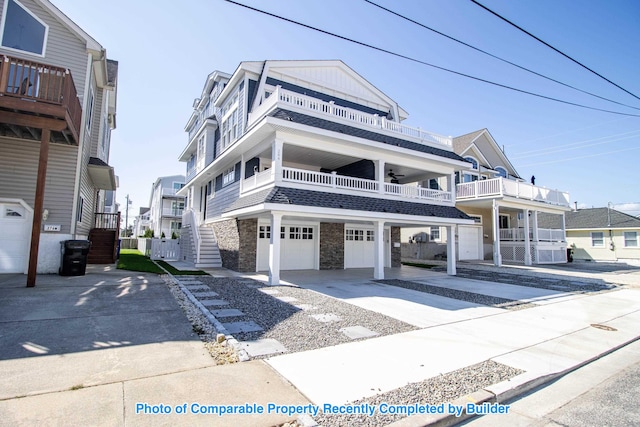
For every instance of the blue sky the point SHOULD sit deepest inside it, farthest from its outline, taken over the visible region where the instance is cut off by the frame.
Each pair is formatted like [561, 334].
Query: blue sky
[166, 49]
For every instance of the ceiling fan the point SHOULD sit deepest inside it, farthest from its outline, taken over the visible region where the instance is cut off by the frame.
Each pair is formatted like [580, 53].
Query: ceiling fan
[394, 175]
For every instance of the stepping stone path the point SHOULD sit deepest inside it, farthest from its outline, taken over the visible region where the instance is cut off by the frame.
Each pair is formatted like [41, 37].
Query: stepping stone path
[287, 299]
[355, 332]
[227, 312]
[326, 317]
[235, 327]
[213, 302]
[205, 294]
[263, 347]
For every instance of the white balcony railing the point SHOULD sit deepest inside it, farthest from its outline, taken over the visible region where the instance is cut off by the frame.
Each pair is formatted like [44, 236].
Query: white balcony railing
[322, 181]
[544, 235]
[505, 187]
[172, 212]
[373, 122]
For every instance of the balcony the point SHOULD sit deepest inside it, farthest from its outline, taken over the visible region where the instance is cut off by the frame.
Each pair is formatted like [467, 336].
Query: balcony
[172, 212]
[282, 98]
[36, 96]
[500, 187]
[332, 182]
[544, 235]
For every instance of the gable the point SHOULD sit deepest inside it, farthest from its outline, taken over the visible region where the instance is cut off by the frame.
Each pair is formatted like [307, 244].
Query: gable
[482, 143]
[333, 78]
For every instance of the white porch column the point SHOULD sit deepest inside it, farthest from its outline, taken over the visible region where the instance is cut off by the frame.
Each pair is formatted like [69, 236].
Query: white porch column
[380, 175]
[452, 186]
[527, 241]
[564, 228]
[536, 237]
[378, 266]
[274, 249]
[276, 160]
[242, 172]
[495, 217]
[451, 250]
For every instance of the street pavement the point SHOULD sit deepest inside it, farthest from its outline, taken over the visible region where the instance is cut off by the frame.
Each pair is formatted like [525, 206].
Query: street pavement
[90, 349]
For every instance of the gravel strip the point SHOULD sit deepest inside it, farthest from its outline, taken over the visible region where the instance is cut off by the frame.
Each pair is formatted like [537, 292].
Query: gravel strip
[291, 326]
[441, 389]
[556, 283]
[472, 297]
[222, 352]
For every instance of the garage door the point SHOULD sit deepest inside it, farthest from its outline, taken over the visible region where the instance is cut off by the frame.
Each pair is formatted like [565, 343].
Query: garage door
[470, 243]
[359, 248]
[297, 247]
[14, 237]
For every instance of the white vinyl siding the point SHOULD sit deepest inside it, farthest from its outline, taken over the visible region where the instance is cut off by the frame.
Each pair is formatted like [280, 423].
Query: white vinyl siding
[18, 173]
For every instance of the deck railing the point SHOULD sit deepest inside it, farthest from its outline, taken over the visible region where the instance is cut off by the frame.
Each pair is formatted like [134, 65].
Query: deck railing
[507, 187]
[321, 181]
[374, 122]
[107, 221]
[35, 81]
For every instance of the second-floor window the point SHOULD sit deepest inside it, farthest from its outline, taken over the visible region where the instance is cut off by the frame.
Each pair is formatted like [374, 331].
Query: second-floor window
[22, 30]
[229, 176]
[230, 123]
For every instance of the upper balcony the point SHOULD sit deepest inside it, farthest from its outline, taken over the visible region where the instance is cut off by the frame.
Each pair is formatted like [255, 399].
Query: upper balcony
[282, 98]
[35, 96]
[501, 187]
[332, 182]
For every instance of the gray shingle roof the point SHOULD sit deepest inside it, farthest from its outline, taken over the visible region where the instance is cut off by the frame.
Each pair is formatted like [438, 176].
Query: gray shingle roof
[600, 218]
[361, 133]
[295, 196]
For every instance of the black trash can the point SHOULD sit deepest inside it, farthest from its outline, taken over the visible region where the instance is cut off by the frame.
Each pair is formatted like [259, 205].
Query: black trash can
[569, 254]
[73, 257]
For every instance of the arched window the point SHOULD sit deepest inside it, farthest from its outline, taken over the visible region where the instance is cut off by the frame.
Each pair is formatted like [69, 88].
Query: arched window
[501, 171]
[471, 176]
[473, 161]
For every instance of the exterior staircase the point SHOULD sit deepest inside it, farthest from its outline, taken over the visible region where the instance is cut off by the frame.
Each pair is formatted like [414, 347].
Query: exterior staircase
[103, 246]
[209, 252]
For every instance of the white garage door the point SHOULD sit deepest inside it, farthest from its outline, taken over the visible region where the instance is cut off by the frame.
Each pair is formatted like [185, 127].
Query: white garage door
[359, 248]
[14, 237]
[297, 247]
[470, 243]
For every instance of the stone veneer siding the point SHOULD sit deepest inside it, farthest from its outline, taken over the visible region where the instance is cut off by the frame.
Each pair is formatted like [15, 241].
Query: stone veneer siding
[331, 246]
[396, 253]
[237, 242]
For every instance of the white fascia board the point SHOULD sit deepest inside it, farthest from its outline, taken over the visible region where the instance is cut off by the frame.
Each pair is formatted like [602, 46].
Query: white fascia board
[513, 202]
[476, 153]
[344, 215]
[244, 68]
[190, 146]
[92, 44]
[498, 150]
[605, 229]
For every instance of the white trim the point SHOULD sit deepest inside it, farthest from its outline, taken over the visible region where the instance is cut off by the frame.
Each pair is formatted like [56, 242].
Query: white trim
[92, 44]
[26, 9]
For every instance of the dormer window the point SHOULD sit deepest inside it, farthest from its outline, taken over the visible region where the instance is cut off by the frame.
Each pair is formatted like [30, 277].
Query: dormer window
[22, 30]
[502, 172]
[473, 161]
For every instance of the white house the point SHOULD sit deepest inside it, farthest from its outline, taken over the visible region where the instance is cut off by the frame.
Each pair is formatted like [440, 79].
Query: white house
[503, 205]
[57, 111]
[307, 165]
[166, 206]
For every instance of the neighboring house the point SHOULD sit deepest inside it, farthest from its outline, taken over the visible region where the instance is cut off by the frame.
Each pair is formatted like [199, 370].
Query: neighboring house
[57, 111]
[503, 206]
[167, 207]
[307, 165]
[142, 222]
[603, 234]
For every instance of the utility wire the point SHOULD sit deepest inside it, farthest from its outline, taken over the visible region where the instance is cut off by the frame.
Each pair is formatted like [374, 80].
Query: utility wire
[495, 56]
[551, 47]
[579, 157]
[408, 58]
[576, 145]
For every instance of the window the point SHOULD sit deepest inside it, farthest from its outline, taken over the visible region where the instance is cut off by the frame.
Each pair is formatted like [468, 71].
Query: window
[80, 207]
[502, 172]
[229, 176]
[295, 233]
[89, 110]
[229, 128]
[14, 212]
[504, 221]
[307, 233]
[354, 235]
[177, 186]
[630, 239]
[282, 234]
[264, 232]
[473, 161]
[370, 236]
[434, 234]
[597, 239]
[22, 30]
[433, 184]
[476, 218]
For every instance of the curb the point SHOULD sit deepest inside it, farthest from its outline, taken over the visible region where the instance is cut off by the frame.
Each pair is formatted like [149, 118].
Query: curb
[243, 356]
[497, 394]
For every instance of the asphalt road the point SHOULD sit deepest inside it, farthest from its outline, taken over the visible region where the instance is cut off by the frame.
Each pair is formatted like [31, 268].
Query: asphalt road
[602, 393]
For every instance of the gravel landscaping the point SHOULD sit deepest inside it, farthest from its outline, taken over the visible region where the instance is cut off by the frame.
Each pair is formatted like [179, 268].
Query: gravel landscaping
[472, 297]
[433, 391]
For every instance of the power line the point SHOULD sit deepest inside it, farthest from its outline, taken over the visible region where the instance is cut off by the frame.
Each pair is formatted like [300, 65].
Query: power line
[580, 157]
[495, 56]
[576, 145]
[408, 58]
[551, 47]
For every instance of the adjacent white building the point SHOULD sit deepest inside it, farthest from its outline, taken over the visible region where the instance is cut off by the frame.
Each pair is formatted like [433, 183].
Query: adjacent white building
[166, 207]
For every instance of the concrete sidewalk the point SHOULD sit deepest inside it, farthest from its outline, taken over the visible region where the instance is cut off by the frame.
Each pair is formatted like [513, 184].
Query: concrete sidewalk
[86, 350]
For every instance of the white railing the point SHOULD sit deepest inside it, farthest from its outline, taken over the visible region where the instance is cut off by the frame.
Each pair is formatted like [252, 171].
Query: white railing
[172, 212]
[541, 252]
[342, 182]
[330, 109]
[165, 249]
[544, 235]
[507, 187]
[189, 219]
